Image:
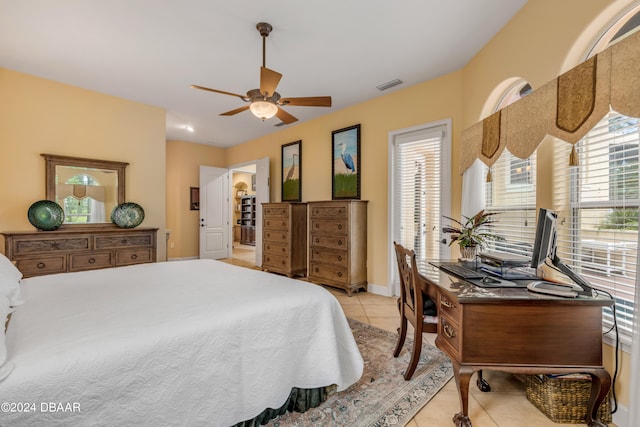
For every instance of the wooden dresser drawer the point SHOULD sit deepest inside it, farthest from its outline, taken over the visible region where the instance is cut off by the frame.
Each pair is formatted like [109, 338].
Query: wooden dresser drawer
[281, 249]
[338, 258]
[90, 261]
[276, 262]
[329, 227]
[276, 223]
[276, 236]
[335, 210]
[331, 242]
[42, 265]
[30, 246]
[276, 211]
[133, 256]
[329, 272]
[114, 242]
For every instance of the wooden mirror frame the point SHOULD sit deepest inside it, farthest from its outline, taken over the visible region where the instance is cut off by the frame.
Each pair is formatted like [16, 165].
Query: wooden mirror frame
[53, 160]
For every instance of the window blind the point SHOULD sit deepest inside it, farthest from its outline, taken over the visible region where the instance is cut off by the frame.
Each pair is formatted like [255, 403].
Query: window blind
[512, 196]
[417, 198]
[597, 206]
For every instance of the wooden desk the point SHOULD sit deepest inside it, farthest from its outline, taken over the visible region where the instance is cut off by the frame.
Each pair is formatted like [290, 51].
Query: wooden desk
[517, 331]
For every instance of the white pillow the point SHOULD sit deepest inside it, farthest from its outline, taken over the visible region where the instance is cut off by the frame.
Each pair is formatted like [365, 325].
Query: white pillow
[10, 281]
[6, 266]
[6, 366]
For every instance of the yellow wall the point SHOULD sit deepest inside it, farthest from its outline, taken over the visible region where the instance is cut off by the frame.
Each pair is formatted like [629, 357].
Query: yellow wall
[41, 116]
[183, 172]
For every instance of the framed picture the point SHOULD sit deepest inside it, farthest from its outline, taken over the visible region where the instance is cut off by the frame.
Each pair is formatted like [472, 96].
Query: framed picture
[194, 199]
[345, 164]
[291, 172]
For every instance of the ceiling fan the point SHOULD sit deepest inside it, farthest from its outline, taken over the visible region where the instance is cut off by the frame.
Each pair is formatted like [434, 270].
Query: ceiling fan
[265, 102]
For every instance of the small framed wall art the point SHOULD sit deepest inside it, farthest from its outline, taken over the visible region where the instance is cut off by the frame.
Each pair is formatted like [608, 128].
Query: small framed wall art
[345, 164]
[291, 172]
[194, 198]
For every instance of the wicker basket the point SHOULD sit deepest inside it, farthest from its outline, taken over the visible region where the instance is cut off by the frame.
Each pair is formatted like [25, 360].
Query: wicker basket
[564, 399]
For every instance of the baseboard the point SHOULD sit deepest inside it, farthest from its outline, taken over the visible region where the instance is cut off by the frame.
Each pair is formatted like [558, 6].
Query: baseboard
[182, 259]
[621, 416]
[385, 291]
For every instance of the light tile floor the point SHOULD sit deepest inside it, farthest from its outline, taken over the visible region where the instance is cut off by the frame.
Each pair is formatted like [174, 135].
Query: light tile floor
[505, 405]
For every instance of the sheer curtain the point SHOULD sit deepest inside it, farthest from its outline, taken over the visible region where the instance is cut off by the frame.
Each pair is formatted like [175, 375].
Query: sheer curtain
[473, 189]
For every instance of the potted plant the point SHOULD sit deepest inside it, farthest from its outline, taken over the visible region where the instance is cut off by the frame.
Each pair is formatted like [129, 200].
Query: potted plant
[472, 234]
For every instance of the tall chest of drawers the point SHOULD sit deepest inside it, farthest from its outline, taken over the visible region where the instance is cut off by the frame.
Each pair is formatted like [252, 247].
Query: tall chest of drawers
[284, 238]
[49, 252]
[338, 244]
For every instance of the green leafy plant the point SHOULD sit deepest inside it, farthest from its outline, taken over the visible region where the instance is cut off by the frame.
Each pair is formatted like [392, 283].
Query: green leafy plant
[621, 219]
[474, 231]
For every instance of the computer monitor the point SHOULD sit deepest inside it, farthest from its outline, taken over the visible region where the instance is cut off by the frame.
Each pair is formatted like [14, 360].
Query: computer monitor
[545, 247]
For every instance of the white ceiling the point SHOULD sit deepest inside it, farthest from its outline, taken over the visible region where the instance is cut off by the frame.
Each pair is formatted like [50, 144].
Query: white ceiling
[150, 51]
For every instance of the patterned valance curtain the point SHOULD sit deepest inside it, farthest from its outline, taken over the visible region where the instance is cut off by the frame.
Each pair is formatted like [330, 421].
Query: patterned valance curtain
[567, 107]
[80, 191]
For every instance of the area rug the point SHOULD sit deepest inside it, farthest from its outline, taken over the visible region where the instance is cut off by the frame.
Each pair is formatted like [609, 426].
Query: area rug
[381, 398]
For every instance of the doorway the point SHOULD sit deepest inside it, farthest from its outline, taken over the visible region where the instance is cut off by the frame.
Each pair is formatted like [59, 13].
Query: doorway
[244, 215]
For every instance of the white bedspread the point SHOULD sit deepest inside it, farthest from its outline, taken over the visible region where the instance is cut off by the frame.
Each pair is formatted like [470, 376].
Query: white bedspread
[180, 343]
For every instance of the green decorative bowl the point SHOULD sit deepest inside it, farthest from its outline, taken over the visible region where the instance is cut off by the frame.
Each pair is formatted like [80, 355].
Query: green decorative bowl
[127, 215]
[45, 215]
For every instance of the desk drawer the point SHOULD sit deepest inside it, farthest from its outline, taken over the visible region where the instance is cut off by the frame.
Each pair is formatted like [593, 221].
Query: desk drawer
[42, 265]
[133, 256]
[90, 261]
[329, 227]
[449, 306]
[31, 246]
[450, 334]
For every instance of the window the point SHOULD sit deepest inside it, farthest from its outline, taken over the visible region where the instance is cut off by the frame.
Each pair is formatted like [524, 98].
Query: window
[81, 208]
[598, 203]
[512, 193]
[419, 185]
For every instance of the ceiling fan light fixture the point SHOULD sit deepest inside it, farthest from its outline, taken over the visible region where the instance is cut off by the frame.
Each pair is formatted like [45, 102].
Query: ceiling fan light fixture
[263, 109]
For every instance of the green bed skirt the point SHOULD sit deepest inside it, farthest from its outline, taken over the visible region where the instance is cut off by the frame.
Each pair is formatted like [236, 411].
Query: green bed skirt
[299, 400]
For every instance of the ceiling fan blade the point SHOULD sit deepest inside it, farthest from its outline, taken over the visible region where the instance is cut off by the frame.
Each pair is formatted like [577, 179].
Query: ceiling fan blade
[236, 111]
[309, 101]
[269, 80]
[243, 97]
[285, 117]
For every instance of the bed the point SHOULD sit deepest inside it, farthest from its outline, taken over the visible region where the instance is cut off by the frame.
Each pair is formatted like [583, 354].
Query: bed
[196, 342]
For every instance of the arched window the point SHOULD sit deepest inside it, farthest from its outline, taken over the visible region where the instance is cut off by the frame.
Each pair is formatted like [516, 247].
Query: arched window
[511, 191]
[598, 201]
[83, 200]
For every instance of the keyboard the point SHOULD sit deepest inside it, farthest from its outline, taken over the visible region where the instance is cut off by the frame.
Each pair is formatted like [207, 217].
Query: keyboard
[460, 271]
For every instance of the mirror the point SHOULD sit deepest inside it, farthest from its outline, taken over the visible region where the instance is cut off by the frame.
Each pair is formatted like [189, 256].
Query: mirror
[87, 189]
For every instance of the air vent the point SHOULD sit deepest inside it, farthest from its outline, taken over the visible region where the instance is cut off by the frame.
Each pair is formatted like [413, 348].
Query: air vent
[389, 84]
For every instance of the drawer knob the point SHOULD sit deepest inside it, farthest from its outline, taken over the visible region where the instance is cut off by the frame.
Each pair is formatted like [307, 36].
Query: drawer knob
[134, 256]
[316, 269]
[92, 260]
[339, 226]
[339, 242]
[317, 240]
[284, 237]
[284, 249]
[339, 273]
[339, 257]
[283, 262]
[123, 241]
[448, 331]
[284, 223]
[447, 303]
[317, 225]
[268, 222]
[41, 265]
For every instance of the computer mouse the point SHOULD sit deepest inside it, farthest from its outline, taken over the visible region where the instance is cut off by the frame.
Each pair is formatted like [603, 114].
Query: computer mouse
[490, 280]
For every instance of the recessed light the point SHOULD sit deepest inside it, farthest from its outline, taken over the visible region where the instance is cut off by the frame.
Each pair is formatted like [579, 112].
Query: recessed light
[188, 128]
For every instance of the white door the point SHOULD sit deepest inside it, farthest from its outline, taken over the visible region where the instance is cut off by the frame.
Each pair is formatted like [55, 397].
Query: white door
[214, 212]
[263, 195]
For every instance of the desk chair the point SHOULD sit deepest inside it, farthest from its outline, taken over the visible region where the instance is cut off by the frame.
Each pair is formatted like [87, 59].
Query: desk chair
[411, 306]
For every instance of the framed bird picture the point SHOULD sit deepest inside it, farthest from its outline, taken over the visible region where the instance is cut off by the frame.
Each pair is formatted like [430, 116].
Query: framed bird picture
[291, 172]
[345, 165]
